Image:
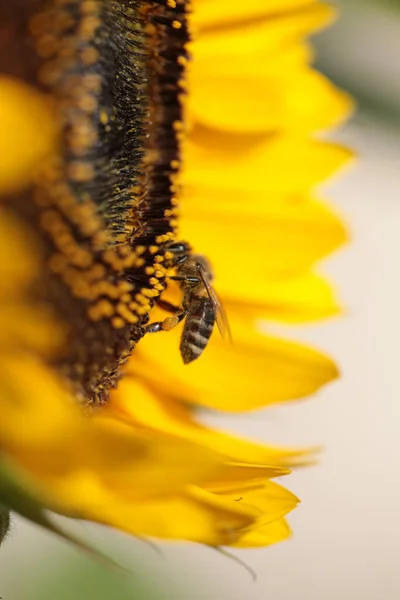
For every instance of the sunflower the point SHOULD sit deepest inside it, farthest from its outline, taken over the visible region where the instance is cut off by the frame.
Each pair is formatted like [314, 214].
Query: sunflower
[137, 137]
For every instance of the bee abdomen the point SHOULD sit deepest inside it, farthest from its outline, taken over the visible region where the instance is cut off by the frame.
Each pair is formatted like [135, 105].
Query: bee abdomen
[198, 328]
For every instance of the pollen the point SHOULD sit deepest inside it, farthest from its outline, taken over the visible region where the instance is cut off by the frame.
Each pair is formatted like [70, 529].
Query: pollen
[182, 60]
[118, 323]
[178, 126]
[126, 314]
[90, 56]
[81, 172]
[89, 26]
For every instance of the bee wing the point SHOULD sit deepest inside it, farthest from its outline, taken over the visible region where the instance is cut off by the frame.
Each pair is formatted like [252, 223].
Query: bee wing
[220, 313]
[222, 318]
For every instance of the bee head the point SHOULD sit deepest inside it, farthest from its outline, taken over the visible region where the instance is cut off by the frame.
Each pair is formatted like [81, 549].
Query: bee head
[205, 265]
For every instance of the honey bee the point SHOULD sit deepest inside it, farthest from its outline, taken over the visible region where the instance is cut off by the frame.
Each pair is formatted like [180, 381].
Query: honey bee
[201, 306]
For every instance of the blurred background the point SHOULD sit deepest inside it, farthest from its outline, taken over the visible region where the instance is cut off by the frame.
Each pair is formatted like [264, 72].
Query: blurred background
[347, 531]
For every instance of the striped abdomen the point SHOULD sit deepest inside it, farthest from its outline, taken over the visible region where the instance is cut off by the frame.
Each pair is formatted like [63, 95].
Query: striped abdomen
[198, 328]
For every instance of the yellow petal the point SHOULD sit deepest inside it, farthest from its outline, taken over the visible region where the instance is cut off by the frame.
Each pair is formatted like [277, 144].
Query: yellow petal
[252, 372]
[22, 326]
[138, 465]
[18, 257]
[256, 165]
[197, 516]
[266, 91]
[155, 409]
[72, 459]
[194, 515]
[272, 500]
[209, 13]
[257, 77]
[260, 536]
[28, 133]
[252, 36]
[263, 102]
[250, 247]
[290, 300]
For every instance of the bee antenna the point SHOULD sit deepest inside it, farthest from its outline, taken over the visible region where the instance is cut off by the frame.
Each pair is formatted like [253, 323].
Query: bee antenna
[237, 560]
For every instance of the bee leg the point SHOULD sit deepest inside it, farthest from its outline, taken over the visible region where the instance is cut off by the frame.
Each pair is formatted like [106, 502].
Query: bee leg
[168, 323]
[194, 280]
[179, 248]
[154, 327]
[168, 307]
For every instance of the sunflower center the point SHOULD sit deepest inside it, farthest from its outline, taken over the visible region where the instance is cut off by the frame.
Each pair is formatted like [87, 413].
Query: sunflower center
[105, 205]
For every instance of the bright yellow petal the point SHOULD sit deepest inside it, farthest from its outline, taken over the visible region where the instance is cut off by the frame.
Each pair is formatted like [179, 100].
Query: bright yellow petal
[18, 264]
[92, 458]
[250, 247]
[209, 13]
[261, 35]
[33, 329]
[290, 300]
[198, 516]
[255, 165]
[264, 93]
[155, 409]
[257, 77]
[22, 326]
[104, 470]
[252, 372]
[272, 500]
[260, 536]
[194, 515]
[27, 133]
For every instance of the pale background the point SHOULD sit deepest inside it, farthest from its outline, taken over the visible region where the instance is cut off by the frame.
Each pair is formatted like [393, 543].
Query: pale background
[347, 531]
